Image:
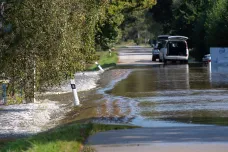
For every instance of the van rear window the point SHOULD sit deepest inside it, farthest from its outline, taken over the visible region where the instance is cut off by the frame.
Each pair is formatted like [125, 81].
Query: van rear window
[177, 48]
[177, 45]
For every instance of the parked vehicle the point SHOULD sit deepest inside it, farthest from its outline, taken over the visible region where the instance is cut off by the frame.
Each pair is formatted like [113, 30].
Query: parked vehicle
[163, 37]
[206, 58]
[155, 54]
[160, 39]
[174, 49]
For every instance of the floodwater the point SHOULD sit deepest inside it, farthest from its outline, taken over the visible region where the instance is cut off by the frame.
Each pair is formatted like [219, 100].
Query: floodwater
[167, 95]
[148, 96]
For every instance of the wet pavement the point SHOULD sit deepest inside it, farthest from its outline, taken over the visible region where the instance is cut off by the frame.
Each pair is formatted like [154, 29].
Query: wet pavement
[171, 95]
[181, 107]
[155, 96]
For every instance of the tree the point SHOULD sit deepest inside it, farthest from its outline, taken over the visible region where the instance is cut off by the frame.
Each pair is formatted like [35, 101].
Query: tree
[119, 14]
[53, 37]
[50, 39]
[216, 25]
[162, 13]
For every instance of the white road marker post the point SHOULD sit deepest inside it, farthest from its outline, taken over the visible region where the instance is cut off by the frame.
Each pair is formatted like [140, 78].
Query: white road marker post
[99, 66]
[74, 90]
[110, 52]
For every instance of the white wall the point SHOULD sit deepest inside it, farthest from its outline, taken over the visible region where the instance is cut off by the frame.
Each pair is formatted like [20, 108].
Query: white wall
[219, 61]
[219, 56]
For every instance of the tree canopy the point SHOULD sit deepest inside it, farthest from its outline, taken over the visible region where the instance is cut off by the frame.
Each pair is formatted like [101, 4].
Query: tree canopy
[43, 41]
[203, 21]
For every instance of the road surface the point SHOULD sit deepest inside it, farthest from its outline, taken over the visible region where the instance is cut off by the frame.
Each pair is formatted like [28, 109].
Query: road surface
[163, 139]
[136, 56]
[198, 138]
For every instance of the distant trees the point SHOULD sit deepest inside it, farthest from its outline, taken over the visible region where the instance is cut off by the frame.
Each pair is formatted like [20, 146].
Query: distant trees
[217, 24]
[130, 16]
[203, 21]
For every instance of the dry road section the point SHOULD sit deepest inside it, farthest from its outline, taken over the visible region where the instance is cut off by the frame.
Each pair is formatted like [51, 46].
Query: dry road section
[136, 55]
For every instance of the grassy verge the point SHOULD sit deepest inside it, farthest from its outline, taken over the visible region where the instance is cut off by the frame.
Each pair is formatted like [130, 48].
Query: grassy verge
[69, 138]
[105, 60]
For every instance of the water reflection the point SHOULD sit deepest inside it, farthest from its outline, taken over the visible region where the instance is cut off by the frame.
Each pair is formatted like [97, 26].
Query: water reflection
[172, 77]
[218, 74]
[181, 93]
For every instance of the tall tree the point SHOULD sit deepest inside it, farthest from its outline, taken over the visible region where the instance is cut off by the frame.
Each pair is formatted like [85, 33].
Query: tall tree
[52, 37]
[41, 41]
[162, 14]
[217, 24]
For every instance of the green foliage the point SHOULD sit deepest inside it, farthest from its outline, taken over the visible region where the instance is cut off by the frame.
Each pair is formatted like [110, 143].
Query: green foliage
[216, 24]
[51, 39]
[108, 32]
[162, 14]
[67, 138]
[105, 60]
[54, 37]
[135, 27]
[12, 100]
[203, 21]
[122, 13]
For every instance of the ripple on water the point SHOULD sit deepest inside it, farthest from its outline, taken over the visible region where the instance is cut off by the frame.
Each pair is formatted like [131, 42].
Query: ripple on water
[19, 120]
[174, 94]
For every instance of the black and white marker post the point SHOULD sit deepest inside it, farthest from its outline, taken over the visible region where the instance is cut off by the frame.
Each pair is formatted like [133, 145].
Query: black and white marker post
[99, 66]
[74, 90]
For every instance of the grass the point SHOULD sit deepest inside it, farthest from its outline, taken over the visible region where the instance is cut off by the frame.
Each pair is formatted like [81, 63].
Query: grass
[68, 138]
[105, 60]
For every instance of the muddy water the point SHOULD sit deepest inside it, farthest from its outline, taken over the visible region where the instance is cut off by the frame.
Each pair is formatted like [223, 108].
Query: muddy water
[154, 96]
[173, 95]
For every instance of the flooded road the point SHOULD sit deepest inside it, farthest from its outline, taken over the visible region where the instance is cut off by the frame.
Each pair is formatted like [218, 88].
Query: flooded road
[170, 95]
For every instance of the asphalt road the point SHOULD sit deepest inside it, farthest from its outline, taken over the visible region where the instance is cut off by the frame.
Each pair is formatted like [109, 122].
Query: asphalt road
[163, 139]
[136, 56]
[200, 138]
